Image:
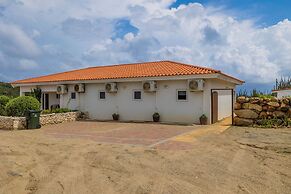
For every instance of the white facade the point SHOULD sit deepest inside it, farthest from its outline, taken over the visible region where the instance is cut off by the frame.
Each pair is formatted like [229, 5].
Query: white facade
[164, 100]
[283, 93]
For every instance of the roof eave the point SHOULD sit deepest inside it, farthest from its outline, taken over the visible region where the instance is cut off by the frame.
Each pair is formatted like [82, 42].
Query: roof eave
[157, 78]
[229, 78]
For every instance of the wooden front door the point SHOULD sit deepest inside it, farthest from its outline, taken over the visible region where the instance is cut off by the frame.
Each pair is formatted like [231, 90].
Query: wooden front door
[214, 107]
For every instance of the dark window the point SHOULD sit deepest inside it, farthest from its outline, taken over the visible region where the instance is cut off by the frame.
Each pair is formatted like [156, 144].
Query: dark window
[101, 95]
[137, 95]
[57, 96]
[182, 95]
[73, 95]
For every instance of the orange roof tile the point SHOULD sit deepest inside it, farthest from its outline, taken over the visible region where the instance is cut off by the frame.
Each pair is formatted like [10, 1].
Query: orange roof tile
[135, 70]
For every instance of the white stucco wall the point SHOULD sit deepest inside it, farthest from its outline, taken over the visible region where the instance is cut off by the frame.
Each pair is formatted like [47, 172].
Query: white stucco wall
[283, 93]
[163, 101]
[44, 88]
[53, 99]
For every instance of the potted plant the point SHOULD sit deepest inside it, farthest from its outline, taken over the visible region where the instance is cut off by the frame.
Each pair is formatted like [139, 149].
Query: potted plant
[156, 117]
[203, 119]
[115, 116]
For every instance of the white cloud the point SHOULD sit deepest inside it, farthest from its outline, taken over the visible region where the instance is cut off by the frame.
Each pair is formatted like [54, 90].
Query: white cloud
[200, 35]
[26, 64]
[78, 33]
[14, 42]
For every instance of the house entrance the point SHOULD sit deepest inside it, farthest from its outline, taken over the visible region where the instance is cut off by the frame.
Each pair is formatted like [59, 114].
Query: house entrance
[222, 101]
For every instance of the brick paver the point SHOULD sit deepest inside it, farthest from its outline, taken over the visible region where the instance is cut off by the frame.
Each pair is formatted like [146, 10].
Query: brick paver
[118, 133]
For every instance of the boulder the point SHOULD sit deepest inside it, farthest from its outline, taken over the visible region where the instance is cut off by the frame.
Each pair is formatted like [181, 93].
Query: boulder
[263, 115]
[284, 107]
[254, 100]
[237, 106]
[271, 108]
[241, 99]
[252, 107]
[274, 104]
[274, 99]
[246, 113]
[265, 107]
[279, 114]
[242, 122]
[285, 101]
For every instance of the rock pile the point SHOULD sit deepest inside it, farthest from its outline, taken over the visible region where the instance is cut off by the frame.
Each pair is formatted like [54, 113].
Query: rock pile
[255, 111]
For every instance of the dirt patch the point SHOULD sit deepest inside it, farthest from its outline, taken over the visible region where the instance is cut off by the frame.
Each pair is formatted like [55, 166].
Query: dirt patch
[239, 160]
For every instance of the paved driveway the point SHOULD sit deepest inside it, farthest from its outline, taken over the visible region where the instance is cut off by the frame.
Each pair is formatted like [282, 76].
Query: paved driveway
[150, 135]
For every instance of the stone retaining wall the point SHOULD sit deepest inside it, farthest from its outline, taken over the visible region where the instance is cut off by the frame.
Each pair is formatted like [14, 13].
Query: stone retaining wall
[55, 118]
[255, 111]
[11, 123]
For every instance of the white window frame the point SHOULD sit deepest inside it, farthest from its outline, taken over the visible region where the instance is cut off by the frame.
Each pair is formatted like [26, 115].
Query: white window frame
[99, 95]
[141, 95]
[182, 90]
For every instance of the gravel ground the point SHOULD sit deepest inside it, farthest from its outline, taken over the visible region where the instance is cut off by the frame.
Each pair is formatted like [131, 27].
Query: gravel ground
[238, 160]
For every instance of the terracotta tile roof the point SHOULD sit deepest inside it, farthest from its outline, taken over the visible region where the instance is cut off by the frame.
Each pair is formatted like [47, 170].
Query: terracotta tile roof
[135, 70]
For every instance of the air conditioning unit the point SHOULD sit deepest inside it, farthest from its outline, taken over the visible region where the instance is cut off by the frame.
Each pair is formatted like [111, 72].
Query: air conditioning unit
[149, 86]
[80, 88]
[62, 89]
[111, 87]
[195, 85]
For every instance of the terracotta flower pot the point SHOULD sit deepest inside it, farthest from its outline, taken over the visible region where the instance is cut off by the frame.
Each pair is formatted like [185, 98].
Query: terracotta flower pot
[203, 120]
[115, 117]
[156, 117]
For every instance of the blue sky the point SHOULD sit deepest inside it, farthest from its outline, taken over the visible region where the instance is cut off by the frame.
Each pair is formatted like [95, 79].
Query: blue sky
[267, 12]
[249, 39]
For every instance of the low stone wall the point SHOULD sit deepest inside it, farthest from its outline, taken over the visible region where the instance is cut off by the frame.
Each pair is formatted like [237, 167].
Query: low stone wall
[11, 123]
[55, 118]
[255, 111]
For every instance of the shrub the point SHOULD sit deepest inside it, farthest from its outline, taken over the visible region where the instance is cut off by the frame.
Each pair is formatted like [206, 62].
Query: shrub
[57, 110]
[46, 112]
[274, 122]
[61, 110]
[18, 106]
[3, 101]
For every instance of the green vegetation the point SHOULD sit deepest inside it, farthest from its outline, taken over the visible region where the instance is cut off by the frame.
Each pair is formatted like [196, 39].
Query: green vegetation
[36, 93]
[284, 83]
[57, 110]
[7, 90]
[274, 122]
[255, 93]
[3, 101]
[18, 106]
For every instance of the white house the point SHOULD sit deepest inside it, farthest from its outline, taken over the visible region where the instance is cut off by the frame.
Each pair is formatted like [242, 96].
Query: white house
[281, 93]
[178, 92]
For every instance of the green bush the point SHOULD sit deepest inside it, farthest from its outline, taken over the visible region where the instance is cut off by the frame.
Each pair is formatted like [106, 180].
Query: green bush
[18, 106]
[274, 122]
[57, 110]
[61, 110]
[3, 101]
[46, 112]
